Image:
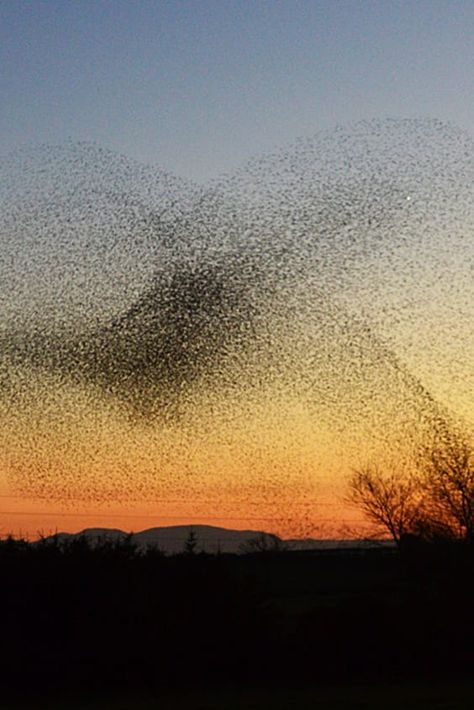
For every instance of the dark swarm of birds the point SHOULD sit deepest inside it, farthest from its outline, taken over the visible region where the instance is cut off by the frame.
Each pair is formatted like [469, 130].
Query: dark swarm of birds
[330, 282]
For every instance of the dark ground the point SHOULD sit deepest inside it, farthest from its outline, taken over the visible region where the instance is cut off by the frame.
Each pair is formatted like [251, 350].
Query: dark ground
[87, 628]
[381, 697]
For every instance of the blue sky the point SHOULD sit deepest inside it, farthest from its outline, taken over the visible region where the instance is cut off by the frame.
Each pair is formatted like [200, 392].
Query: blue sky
[198, 87]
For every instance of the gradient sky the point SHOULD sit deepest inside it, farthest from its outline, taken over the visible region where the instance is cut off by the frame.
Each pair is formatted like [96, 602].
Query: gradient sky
[200, 86]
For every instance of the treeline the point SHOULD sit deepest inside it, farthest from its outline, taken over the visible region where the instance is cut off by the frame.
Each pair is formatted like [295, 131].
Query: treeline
[77, 616]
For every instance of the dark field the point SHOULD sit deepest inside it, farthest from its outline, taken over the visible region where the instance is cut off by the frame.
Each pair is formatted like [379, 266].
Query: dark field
[87, 628]
[415, 697]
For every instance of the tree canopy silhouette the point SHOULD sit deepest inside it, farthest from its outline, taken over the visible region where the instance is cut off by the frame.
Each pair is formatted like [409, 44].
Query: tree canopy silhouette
[390, 500]
[435, 501]
[450, 487]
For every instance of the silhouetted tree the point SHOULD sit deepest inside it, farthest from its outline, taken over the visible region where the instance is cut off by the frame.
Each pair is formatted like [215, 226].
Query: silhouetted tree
[450, 488]
[392, 501]
[190, 543]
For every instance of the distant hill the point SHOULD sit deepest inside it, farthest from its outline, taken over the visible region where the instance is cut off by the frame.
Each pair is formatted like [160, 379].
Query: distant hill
[172, 539]
[211, 539]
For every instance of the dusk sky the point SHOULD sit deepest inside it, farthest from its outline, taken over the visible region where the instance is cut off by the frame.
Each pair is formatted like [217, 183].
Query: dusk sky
[235, 256]
[199, 87]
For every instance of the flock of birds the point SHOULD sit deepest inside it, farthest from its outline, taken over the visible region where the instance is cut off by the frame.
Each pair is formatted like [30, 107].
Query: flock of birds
[240, 344]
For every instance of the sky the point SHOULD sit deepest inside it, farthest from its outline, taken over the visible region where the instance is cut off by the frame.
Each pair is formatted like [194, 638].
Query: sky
[309, 312]
[198, 87]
